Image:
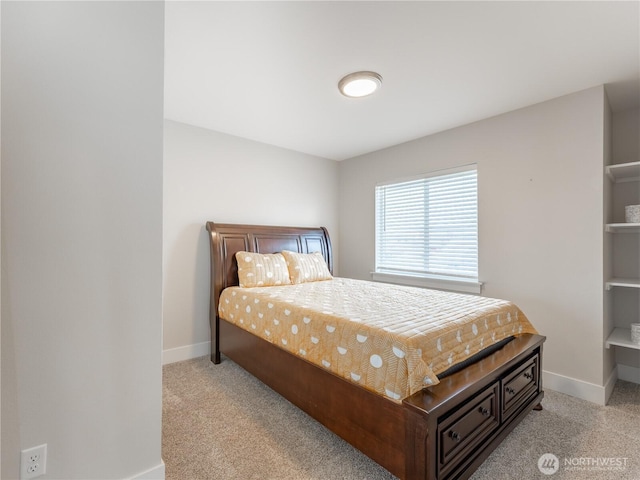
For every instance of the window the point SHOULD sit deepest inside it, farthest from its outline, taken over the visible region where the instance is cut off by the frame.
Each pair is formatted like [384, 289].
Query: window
[428, 227]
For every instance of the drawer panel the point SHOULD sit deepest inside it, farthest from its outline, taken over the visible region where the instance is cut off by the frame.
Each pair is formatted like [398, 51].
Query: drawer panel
[520, 385]
[459, 433]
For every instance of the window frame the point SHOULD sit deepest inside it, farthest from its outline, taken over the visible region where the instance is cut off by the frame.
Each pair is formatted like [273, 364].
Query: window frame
[465, 284]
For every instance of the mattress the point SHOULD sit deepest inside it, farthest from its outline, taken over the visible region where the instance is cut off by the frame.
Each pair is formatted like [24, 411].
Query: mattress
[390, 339]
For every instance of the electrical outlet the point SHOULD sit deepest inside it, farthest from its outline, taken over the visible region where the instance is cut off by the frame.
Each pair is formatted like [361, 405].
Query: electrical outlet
[33, 462]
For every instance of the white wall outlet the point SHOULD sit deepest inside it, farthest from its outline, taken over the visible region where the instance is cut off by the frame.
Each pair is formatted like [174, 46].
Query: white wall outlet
[33, 462]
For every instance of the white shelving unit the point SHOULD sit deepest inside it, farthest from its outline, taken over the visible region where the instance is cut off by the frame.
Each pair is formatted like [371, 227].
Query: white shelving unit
[623, 227]
[622, 338]
[622, 173]
[622, 282]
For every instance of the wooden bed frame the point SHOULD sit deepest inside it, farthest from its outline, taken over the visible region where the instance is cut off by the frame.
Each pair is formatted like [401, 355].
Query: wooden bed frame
[442, 432]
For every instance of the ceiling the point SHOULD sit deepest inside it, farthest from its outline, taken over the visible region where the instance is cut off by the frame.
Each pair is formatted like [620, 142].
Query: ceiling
[268, 71]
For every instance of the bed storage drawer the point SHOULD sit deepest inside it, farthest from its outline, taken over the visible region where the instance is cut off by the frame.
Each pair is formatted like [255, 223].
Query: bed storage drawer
[464, 429]
[519, 386]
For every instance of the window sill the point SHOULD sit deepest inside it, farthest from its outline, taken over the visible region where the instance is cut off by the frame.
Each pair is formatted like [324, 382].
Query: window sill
[439, 282]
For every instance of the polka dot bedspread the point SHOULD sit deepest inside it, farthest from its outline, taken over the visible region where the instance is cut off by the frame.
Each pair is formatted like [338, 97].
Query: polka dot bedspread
[390, 339]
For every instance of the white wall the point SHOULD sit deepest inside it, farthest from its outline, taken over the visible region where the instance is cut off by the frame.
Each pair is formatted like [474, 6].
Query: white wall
[82, 99]
[226, 179]
[540, 218]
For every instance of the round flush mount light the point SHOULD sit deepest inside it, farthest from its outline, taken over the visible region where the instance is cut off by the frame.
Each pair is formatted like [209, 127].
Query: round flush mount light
[360, 84]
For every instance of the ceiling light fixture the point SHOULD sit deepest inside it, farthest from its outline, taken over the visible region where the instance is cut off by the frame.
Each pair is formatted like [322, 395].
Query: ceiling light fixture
[360, 84]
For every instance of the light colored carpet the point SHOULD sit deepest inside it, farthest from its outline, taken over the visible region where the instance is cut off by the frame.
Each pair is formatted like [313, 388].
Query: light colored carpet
[219, 422]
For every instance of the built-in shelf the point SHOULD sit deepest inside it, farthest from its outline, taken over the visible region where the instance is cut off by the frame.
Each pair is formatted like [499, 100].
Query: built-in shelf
[622, 338]
[621, 189]
[623, 227]
[623, 282]
[624, 172]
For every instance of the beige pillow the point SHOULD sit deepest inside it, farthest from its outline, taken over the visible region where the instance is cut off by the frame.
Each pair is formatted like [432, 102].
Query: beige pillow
[262, 269]
[306, 267]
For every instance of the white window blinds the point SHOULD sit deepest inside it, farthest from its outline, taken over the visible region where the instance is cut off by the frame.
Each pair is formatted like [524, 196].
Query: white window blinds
[429, 226]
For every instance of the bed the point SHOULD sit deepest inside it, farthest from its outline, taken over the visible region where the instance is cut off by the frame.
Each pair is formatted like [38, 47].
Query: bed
[441, 431]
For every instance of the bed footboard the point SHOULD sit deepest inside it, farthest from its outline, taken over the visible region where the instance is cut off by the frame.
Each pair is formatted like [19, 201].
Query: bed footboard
[460, 421]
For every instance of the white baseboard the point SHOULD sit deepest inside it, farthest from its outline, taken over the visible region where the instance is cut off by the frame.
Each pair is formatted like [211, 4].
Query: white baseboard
[578, 388]
[187, 352]
[628, 373]
[155, 473]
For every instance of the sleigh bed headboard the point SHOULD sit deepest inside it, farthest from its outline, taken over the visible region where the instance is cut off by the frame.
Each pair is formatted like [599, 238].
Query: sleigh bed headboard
[226, 239]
